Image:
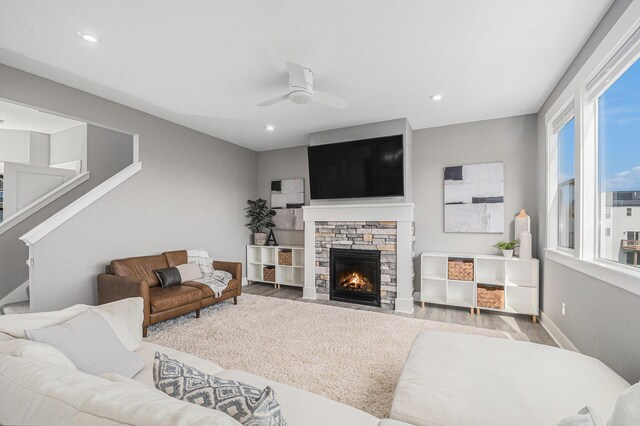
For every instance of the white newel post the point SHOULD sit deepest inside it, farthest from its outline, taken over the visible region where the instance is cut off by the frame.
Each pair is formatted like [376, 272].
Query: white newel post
[401, 213]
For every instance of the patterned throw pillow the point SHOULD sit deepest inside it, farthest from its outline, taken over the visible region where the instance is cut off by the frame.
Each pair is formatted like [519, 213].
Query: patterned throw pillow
[247, 404]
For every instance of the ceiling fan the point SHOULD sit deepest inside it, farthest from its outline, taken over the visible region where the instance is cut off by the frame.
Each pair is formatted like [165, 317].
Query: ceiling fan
[301, 89]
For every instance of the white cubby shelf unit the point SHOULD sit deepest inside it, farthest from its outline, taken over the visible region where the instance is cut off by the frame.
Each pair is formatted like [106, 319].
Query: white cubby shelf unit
[518, 278]
[259, 257]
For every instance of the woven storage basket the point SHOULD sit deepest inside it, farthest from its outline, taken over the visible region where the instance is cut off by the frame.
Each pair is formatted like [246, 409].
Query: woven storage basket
[490, 296]
[460, 269]
[269, 273]
[284, 257]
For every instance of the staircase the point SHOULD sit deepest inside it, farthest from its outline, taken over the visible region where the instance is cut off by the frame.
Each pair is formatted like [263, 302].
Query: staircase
[21, 307]
[108, 154]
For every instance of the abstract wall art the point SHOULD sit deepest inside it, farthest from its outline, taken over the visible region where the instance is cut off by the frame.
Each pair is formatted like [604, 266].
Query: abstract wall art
[287, 193]
[287, 199]
[474, 198]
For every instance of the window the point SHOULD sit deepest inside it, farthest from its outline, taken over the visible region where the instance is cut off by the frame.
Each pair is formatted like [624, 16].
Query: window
[566, 185]
[618, 119]
[593, 184]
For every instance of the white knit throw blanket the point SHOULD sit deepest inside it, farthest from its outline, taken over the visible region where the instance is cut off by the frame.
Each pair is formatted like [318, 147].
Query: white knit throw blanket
[216, 280]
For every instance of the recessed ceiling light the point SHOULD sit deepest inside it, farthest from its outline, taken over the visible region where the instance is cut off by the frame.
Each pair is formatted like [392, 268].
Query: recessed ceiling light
[88, 37]
[270, 128]
[435, 97]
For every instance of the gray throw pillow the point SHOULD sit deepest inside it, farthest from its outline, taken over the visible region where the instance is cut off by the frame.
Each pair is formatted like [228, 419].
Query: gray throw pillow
[90, 343]
[189, 272]
[245, 403]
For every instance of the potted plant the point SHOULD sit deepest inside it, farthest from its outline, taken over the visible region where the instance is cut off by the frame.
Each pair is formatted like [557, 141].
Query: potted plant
[261, 220]
[507, 247]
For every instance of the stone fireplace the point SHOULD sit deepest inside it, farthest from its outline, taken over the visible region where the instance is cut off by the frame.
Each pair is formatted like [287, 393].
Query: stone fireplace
[357, 237]
[379, 236]
[355, 276]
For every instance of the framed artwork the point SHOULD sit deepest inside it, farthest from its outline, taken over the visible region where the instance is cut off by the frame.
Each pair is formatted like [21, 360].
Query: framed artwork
[289, 219]
[474, 198]
[287, 199]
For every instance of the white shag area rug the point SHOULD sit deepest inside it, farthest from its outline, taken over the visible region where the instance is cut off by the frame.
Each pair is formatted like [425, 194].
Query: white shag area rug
[351, 356]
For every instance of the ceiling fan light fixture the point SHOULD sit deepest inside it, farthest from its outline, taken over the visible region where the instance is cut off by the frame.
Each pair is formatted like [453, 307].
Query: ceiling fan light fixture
[87, 36]
[300, 97]
[301, 90]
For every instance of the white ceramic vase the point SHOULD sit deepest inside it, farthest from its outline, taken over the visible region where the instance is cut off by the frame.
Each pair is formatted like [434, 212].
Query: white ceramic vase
[522, 223]
[526, 248]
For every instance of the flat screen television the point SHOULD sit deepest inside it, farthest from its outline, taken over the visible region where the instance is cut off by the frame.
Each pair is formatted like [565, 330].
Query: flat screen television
[358, 169]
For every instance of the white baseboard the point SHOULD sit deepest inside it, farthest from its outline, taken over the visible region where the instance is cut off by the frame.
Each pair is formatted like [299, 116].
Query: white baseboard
[17, 295]
[245, 281]
[556, 334]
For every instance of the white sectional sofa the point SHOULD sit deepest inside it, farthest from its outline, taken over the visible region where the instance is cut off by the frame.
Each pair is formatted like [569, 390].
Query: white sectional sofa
[458, 379]
[39, 385]
[448, 379]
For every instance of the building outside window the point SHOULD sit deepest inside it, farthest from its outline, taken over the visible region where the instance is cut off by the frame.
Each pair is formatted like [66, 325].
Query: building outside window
[619, 168]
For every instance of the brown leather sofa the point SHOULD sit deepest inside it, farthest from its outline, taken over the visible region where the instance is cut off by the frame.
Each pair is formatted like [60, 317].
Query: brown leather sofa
[134, 277]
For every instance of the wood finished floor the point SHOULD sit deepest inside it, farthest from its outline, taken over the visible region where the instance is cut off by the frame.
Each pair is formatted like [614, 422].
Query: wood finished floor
[490, 320]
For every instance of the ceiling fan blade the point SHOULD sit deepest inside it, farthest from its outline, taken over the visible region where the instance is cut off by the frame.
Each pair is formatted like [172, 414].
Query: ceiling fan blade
[274, 100]
[297, 76]
[330, 100]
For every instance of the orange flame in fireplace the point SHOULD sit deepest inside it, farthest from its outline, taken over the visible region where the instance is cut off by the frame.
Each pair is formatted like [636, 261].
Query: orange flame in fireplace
[356, 281]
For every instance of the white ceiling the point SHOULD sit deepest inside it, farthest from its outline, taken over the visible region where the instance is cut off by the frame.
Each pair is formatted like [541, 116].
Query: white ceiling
[207, 63]
[16, 117]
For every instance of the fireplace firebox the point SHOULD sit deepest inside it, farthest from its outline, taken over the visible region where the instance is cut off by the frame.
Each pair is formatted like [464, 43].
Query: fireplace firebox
[355, 276]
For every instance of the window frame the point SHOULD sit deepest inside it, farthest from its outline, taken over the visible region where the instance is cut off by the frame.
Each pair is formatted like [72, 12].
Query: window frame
[616, 53]
[565, 115]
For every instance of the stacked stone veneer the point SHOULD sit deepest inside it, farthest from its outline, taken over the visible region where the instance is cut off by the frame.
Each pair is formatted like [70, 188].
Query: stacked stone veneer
[358, 236]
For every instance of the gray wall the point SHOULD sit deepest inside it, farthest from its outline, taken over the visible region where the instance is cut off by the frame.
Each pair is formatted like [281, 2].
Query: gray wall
[602, 320]
[108, 153]
[288, 163]
[511, 140]
[190, 194]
